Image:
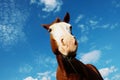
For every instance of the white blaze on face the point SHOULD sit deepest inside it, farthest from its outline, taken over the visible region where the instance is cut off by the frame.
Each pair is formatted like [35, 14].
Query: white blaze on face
[62, 34]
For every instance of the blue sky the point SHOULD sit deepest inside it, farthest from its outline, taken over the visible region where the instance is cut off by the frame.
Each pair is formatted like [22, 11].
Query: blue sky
[25, 51]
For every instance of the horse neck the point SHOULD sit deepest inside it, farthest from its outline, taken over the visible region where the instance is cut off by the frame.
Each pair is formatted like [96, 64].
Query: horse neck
[72, 67]
[64, 65]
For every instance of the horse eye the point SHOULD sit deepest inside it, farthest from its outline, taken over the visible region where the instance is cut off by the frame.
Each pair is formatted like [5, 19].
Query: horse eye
[49, 30]
[70, 27]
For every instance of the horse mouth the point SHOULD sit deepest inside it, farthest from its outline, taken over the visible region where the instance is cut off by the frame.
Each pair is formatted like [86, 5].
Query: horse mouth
[68, 48]
[70, 56]
[68, 51]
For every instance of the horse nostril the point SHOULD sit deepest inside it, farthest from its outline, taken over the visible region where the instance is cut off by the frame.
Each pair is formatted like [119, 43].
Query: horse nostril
[75, 42]
[62, 41]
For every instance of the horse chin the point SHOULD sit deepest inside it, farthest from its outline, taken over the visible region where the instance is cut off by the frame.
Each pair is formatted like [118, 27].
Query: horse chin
[68, 51]
[70, 55]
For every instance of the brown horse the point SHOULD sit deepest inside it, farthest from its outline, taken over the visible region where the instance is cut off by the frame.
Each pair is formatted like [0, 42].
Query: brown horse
[64, 46]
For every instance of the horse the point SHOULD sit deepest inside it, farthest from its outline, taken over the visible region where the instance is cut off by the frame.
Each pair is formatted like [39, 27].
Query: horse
[64, 45]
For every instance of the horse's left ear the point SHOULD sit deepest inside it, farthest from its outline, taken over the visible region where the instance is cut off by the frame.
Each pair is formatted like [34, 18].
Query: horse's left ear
[67, 18]
[46, 26]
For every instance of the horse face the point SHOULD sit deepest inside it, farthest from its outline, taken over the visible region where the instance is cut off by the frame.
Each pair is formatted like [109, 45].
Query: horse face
[65, 42]
[62, 40]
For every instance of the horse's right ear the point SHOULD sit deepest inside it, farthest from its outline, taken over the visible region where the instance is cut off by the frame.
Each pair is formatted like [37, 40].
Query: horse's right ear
[67, 18]
[46, 26]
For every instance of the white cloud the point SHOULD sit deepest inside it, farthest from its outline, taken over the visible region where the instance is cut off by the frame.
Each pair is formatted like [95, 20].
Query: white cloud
[32, 1]
[108, 61]
[105, 26]
[116, 3]
[82, 27]
[9, 34]
[49, 5]
[116, 77]
[108, 47]
[45, 78]
[83, 39]
[105, 72]
[12, 22]
[48, 75]
[25, 68]
[113, 26]
[108, 26]
[30, 78]
[106, 78]
[93, 22]
[45, 75]
[79, 18]
[45, 61]
[91, 57]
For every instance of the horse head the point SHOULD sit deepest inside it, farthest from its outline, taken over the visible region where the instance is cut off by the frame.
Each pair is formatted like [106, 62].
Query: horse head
[62, 40]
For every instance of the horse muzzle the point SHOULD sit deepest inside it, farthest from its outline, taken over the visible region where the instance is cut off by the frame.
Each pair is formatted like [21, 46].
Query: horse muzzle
[68, 46]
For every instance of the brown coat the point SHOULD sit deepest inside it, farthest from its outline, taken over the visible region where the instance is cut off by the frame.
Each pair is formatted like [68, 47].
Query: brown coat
[75, 70]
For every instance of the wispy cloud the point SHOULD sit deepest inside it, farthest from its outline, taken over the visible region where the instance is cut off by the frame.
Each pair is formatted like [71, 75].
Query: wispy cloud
[48, 75]
[82, 27]
[108, 61]
[30, 78]
[93, 22]
[116, 3]
[91, 57]
[48, 63]
[26, 68]
[49, 5]
[33, 1]
[83, 39]
[107, 47]
[113, 26]
[10, 34]
[45, 61]
[79, 18]
[105, 72]
[116, 77]
[12, 21]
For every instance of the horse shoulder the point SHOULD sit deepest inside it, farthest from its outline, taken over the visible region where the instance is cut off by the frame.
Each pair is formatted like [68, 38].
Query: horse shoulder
[95, 70]
[62, 76]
